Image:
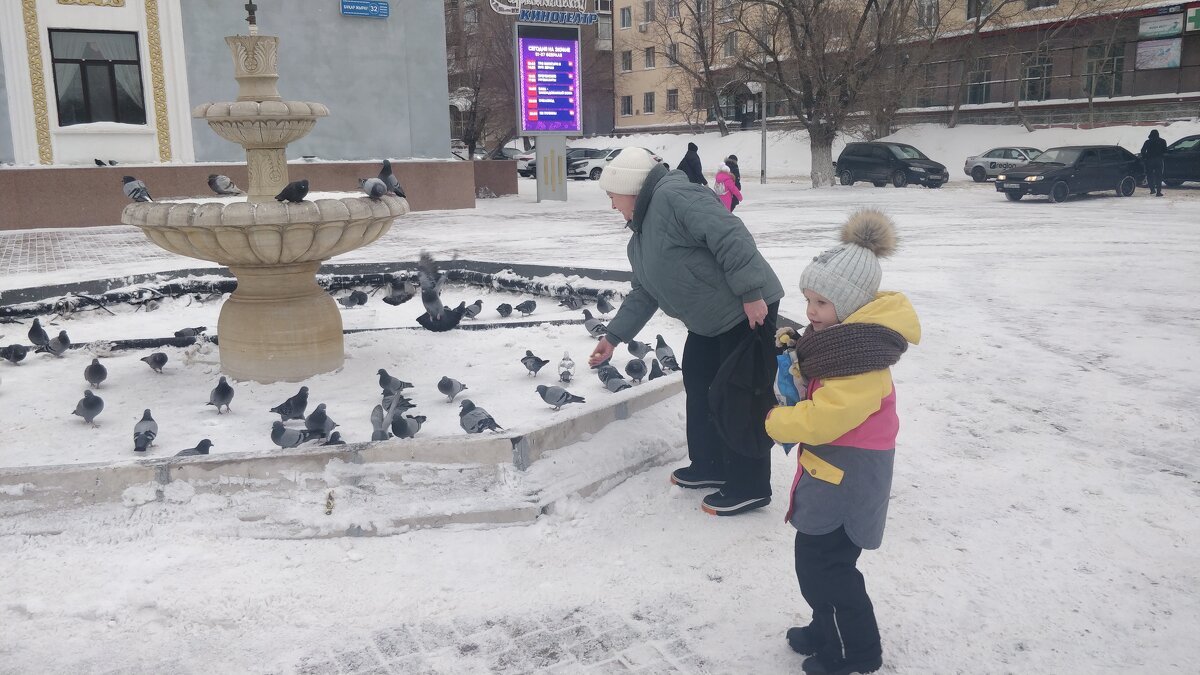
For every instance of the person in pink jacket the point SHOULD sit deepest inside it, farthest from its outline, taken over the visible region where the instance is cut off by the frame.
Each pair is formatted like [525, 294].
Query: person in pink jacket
[726, 188]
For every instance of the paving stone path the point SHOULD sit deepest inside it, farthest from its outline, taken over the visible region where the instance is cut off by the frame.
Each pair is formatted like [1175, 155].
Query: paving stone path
[39, 251]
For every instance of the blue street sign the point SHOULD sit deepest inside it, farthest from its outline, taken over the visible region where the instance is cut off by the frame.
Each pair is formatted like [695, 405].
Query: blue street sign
[376, 9]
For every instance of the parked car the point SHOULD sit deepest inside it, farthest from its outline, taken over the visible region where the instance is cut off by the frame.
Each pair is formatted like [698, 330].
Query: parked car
[882, 163]
[523, 160]
[1061, 172]
[596, 160]
[1182, 161]
[572, 154]
[505, 153]
[997, 161]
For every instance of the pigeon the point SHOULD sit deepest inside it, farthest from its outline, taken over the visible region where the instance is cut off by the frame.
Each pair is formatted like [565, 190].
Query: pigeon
[14, 353]
[450, 387]
[595, 327]
[95, 373]
[603, 305]
[355, 299]
[294, 191]
[665, 355]
[374, 187]
[293, 408]
[504, 309]
[37, 334]
[200, 449]
[190, 332]
[335, 439]
[639, 349]
[89, 406]
[385, 175]
[571, 299]
[532, 363]
[319, 422]
[144, 432]
[615, 384]
[635, 369]
[450, 319]
[656, 370]
[474, 420]
[431, 282]
[557, 397]
[474, 309]
[221, 395]
[606, 371]
[526, 308]
[566, 368]
[379, 424]
[99, 162]
[391, 385]
[222, 185]
[112, 162]
[57, 344]
[407, 426]
[135, 189]
[397, 402]
[156, 361]
[288, 438]
[398, 295]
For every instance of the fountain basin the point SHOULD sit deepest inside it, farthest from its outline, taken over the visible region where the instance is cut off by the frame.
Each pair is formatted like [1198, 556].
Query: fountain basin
[261, 124]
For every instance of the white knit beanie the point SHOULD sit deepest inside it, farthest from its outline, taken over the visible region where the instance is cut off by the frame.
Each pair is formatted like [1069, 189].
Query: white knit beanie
[849, 275]
[627, 171]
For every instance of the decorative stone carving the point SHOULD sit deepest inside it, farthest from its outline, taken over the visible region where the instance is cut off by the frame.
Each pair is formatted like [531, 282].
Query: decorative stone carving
[255, 66]
[158, 81]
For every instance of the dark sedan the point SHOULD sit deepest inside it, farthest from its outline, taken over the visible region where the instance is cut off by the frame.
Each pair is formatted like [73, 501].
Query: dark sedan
[1061, 172]
[1182, 161]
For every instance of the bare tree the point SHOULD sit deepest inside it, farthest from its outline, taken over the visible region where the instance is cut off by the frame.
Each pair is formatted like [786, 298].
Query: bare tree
[685, 31]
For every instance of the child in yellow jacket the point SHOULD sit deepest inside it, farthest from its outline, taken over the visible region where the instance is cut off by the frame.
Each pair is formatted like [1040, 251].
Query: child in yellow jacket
[846, 426]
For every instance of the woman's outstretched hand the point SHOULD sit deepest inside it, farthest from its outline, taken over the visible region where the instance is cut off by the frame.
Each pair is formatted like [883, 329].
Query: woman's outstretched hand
[756, 312]
[603, 352]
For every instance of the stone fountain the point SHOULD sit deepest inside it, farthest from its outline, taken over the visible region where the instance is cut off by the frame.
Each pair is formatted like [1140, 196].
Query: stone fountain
[279, 325]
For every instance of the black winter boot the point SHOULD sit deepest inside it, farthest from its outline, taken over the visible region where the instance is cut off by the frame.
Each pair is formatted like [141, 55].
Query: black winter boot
[803, 640]
[694, 477]
[814, 665]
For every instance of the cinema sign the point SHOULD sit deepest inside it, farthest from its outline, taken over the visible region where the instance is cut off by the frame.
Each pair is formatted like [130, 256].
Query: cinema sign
[570, 12]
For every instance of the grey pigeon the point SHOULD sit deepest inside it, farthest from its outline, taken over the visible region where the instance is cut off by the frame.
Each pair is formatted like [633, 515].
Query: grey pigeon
[639, 349]
[56, 345]
[293, 408]
[665, 355]
[450, 387]
[571, 299]
[379, 424]
[397, 402]
[504, 309]
[389, 179]
[294, 191]
[14, 353]
[407, 426]
[374, 187]
[606, 371]
[99, 162]
[615, 384]
[355, 299]
[288, 438]
[89, 406]
[603, 305]
[532, 363]
[474, 420]
[135, 189]
[221, 395]
[656, 370]
[391, 385]
[37, 334]
[319, 422]
[450, 319]
[557, 397]
[566, 368]
[200, 449]
[222, 185]
[526, 308]
[95, 373]
[400, 294]
[156, 361]
[431, 282]
[335, 439]
[190, 332]
[635, 369]
[595, 327]
[144, 432]
[474, 309]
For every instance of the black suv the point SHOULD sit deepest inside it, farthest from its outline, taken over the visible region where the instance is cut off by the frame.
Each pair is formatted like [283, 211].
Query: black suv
[1182, 161]
[883, 163]
[1062, 172]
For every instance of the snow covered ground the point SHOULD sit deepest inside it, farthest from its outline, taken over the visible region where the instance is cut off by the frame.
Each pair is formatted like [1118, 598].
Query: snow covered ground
[1045, 514]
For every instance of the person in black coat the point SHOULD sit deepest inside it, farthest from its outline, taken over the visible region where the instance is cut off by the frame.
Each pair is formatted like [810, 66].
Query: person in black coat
[732, 162]
[690, 165]
[1152, 156]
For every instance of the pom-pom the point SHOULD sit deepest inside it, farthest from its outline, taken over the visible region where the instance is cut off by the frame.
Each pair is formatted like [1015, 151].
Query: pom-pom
[872, 230]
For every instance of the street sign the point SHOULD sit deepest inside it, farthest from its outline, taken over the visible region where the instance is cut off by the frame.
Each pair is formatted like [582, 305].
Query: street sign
[1192, 23]
[375, 9]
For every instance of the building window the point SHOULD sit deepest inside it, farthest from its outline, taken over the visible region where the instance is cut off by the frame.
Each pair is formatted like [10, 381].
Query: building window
[978, 8]
[626, 61]
[648, 103]
[672, 100]
[648, 11]
[626, 106]
[925, 94]
[979, 82]
[731, 48]
[604, 6]
[97, 77]
[673, 53]
[626, 17]
[604, 28]
[673, 8]
[927, 13]
[649, 57]
[1034, 4]
[1038, 71]
[1103, 70]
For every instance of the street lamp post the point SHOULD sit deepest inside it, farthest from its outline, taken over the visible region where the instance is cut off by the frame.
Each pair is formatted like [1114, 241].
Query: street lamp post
[761, 88]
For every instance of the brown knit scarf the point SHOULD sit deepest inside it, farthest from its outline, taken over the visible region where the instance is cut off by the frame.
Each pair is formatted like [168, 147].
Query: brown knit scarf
[848, 349]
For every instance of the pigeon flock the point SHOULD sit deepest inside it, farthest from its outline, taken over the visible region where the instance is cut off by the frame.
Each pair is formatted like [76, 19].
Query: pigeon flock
[295, 191]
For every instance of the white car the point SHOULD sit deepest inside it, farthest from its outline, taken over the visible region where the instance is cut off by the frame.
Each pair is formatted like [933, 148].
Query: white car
[595, 162]
[523, 161]
[998, 160]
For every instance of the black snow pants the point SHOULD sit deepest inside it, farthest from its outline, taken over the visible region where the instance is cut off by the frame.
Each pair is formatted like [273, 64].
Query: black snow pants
[843, 617]
[1154, 172]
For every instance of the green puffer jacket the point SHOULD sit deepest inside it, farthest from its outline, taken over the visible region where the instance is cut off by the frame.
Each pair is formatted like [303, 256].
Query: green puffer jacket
[691, 258]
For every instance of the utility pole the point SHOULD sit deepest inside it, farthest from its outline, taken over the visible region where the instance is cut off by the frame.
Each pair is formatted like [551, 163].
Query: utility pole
[762, 118]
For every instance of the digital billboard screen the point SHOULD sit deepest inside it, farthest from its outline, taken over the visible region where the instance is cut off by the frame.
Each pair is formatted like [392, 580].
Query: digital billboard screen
[548, 78]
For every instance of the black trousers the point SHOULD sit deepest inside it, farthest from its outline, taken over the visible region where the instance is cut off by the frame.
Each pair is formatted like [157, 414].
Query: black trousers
[843, 617]
[1154, 172]
[702, 357]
